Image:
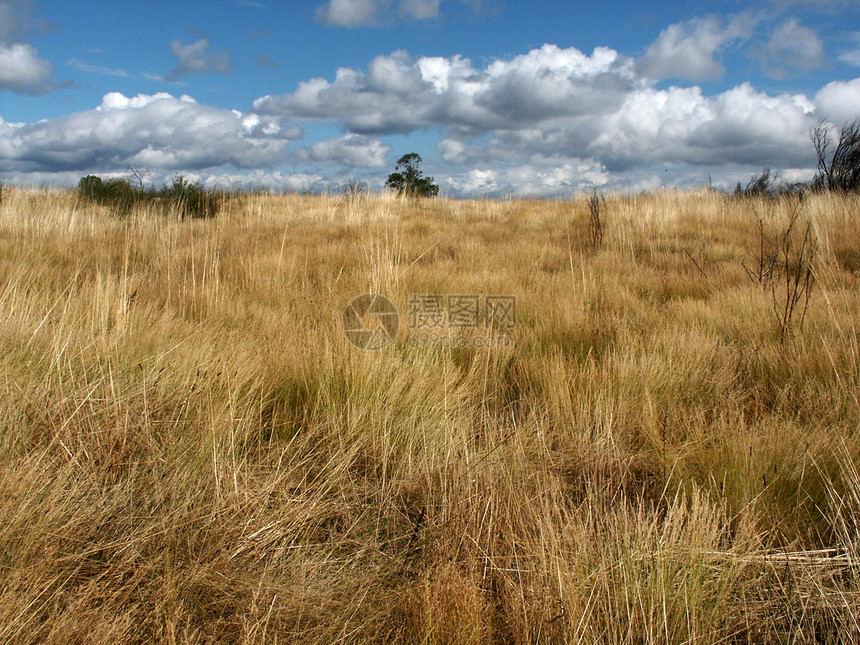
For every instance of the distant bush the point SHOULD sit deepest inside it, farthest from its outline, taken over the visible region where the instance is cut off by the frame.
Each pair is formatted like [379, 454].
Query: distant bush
[188, 200]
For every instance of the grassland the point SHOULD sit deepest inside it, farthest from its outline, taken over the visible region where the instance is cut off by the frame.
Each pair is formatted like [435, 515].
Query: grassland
[191, 451]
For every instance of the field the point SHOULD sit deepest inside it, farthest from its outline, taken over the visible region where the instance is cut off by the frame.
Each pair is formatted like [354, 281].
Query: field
[193, 451]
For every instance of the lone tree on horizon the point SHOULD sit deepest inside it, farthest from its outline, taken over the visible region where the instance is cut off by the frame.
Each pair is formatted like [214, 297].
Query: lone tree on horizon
[408, 179]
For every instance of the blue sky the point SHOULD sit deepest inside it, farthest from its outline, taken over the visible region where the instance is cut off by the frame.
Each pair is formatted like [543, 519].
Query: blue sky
[498, 97]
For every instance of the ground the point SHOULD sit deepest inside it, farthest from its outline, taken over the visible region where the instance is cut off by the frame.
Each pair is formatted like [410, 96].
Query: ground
[193, 451]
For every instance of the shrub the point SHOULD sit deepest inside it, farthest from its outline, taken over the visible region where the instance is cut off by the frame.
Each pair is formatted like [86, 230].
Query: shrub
[191, 199]
[355, 188]
[91, 187]
[763, 184]
[182, 197]
[596, 223]
[115, 193]
[767, 184]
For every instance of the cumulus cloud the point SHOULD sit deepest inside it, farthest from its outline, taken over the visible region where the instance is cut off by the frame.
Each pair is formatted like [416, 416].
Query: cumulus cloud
[838, 101]
[156, 131]
[690, 50]
[553, 120]
[741, 125]
[353, 150]
[677, 125]
[198, 58]
[21, 69]
[399, 95]
[792, 46]
[476, 181]
[556, 105]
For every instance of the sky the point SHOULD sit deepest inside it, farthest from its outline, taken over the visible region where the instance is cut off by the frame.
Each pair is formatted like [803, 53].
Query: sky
[499, 98]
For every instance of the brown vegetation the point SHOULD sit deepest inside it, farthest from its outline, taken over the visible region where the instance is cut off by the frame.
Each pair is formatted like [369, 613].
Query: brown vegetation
[191, 451]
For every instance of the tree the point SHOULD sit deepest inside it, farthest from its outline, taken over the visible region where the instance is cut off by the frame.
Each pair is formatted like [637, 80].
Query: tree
[839, 170]
[408, 179]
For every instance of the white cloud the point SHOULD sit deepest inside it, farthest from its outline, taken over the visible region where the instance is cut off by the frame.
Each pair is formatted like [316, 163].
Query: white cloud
[420, 9]
[690, 50]
[371, 13]
[549, 121]
[198, 58]
[21, 70]
[792, 46]
[159, 132]
[851, 57]
[838, 101]
[526, 179]
[13, 15]
[349, 13]
[264, 180]
[474, 182]
[556, 106]
[81, 66]
[398, 95]
[353, 150]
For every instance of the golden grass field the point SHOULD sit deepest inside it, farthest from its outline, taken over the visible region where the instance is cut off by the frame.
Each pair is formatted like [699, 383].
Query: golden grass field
[191, 450]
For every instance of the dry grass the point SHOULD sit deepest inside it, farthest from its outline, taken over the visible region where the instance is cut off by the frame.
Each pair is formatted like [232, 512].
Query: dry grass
[192, 452]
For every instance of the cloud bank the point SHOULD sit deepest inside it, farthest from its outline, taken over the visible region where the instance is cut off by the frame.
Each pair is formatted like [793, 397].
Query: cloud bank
[148, 131]
[563, 108]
